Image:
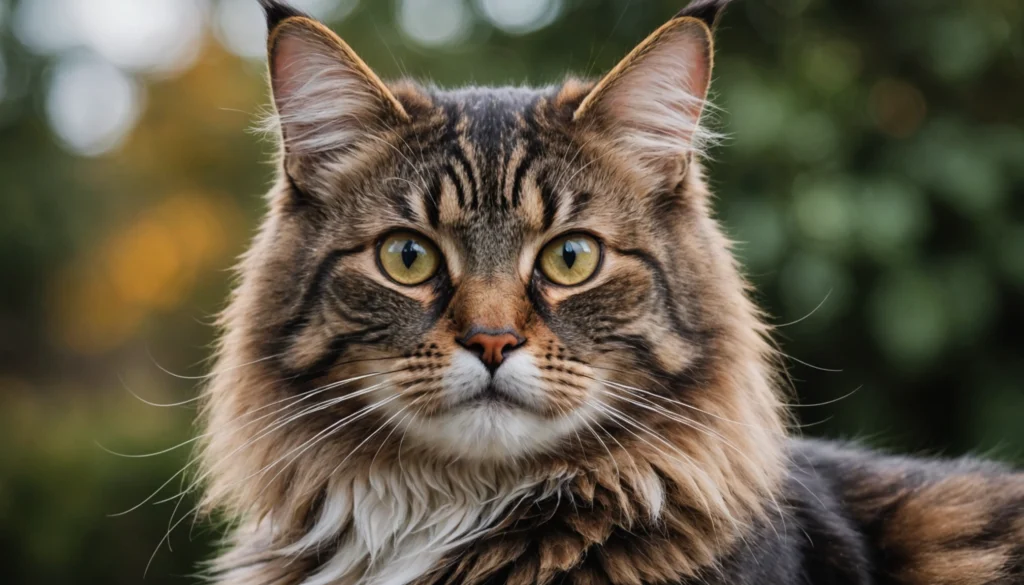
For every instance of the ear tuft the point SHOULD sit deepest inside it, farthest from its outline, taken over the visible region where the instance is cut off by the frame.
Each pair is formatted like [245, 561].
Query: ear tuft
[326, 97]
[278, 12]
[650, 104]
[707, 11]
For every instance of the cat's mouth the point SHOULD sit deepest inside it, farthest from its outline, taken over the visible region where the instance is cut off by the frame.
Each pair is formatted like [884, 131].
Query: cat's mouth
[494, 395]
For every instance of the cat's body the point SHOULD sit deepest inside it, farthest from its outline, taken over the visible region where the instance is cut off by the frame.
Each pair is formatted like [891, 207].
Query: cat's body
[496, 336]
[845, 516]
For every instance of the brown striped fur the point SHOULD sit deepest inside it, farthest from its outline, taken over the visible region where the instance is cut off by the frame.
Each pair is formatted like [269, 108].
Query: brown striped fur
[647, 443]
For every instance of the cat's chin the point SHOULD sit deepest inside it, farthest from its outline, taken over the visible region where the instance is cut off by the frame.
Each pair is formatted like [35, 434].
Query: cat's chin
[491, 430]
[499, 417]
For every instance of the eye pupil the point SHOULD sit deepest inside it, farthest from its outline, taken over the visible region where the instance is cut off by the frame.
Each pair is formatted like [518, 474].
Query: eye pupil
[409, 254]
[568, 254]
[570, 260]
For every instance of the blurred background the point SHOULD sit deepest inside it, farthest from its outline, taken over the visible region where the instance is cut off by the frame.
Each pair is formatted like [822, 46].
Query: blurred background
[873, 175]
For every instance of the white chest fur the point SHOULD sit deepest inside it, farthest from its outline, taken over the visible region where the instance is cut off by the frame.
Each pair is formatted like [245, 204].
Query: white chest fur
[394, 525]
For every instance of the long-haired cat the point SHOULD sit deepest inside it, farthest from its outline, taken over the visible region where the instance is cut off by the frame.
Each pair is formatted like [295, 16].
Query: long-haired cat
[496, 336]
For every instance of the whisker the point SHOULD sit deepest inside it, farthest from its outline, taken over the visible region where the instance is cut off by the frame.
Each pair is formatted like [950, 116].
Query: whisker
[646, 374]
[294, 401]
[808, 315]
[810, 365]
[702, 428]
[318, 407]
[827, 402]
[371, 435]
[677, 402]
[387, 438]
[611, 457]
[195, 509]
[619, 415]
[211, 374]
[319, 437]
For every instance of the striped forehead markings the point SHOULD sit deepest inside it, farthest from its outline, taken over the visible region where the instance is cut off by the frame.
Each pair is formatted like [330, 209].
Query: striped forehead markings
[432, 201]
[550, 200]
[525, 173]
[470, 171]
[518, 159]
[525, 162]
[460, 192]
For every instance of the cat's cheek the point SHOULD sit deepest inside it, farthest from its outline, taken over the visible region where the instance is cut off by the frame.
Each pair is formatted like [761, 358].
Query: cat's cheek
[519, 376]
[465, 378]
[672, 353]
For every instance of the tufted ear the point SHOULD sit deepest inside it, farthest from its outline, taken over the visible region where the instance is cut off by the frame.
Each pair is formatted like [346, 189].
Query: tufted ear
[651, 102]
[327, 98]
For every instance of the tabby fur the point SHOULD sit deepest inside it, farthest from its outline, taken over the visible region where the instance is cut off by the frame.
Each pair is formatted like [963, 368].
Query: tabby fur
[649, 443]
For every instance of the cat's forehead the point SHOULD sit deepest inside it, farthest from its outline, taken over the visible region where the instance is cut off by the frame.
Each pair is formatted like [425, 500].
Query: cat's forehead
[486, 115]
[489, 129]
[489, 165]
[489, 124]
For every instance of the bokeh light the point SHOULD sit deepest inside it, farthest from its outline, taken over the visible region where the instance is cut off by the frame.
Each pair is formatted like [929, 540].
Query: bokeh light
[152, 35]
[520, 16]
[239, 24]
[240, 27]
[326, 10]
[46, 26]
[91, 104]
[871, 176]
[434, 23]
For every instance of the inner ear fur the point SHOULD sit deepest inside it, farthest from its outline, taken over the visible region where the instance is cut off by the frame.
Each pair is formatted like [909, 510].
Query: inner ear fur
[651, 102]
[325, 95]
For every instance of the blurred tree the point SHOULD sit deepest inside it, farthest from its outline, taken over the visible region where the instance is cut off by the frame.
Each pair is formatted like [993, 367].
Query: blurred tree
[873, 177]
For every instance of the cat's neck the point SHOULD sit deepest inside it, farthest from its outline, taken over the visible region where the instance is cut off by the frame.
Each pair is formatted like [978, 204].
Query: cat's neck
[390, 522]
[396, 521]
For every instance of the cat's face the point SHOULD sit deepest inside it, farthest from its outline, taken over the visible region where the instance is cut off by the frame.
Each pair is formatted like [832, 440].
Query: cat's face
[486, 272]
[495, 268]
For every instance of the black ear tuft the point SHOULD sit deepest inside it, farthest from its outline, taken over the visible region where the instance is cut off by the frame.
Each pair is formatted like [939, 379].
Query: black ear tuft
[707, 11]
[277, 12]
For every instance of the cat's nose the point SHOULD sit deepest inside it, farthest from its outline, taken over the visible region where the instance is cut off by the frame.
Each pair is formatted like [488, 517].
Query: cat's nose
[491, 345]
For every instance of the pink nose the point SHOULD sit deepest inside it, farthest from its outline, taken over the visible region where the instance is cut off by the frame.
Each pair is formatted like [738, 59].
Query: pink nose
[491, 346]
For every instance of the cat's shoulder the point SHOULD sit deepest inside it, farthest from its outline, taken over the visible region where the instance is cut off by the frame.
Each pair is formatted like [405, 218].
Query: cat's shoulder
[909, 520]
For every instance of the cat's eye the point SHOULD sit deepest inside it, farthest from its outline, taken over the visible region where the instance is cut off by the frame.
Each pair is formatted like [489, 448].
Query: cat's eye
[571, 259]
[408, 258]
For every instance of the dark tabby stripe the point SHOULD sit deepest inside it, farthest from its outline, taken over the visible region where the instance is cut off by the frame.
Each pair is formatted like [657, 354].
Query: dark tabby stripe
[432, 201]
[580, 202]
[550, 201]
[312, 293]
[521, 170]
[467, 169]
[460, 192]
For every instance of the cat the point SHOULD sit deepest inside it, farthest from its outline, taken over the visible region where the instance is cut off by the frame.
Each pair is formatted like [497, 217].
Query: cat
[496, 336]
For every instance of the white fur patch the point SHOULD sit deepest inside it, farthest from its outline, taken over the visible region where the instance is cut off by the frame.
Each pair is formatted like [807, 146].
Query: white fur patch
[520, 377]
[395, 525]
[493, 430]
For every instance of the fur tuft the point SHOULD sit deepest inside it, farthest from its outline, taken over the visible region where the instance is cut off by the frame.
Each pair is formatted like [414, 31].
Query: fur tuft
[327, 98]
[653, 100]
[278, 12]
[707, 11]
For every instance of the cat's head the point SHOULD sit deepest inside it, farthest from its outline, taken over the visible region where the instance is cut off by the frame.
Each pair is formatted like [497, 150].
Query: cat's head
[486, 274]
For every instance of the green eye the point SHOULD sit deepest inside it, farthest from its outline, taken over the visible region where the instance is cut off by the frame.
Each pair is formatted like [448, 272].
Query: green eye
[409, 258]
[570, 260]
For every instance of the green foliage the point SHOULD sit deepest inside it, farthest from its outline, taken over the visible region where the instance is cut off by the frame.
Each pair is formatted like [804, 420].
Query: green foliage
[873, 177]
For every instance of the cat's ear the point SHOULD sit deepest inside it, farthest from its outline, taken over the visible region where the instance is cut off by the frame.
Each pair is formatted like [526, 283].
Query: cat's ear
[326, 97]
[651, 102]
